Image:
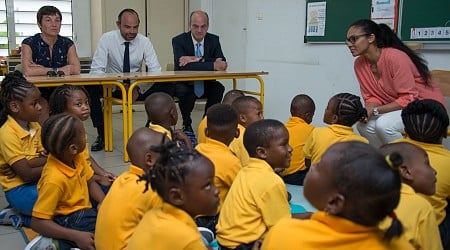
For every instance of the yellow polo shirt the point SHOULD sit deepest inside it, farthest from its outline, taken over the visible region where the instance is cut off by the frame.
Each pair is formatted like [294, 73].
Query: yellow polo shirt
[325, 231]
[238, 149]
[323, 137]
[226, 165]
[256, 201]
[16, 144]
[440, 160]
[161, 129]
[167, 227]
[201, 131]
[419, 221]
[299, 131]
[62, 190]
[122, 210]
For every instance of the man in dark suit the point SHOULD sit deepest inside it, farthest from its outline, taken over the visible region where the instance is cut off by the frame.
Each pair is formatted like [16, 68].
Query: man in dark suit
[197, 50]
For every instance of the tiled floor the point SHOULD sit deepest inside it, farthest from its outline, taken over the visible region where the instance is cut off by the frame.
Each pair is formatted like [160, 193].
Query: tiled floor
[10, 239]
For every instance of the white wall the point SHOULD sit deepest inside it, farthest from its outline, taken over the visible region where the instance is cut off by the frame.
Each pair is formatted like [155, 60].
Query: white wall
[275, 44]
[82, 26]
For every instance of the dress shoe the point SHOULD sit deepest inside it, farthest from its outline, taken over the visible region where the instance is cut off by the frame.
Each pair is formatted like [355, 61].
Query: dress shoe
[98, 144]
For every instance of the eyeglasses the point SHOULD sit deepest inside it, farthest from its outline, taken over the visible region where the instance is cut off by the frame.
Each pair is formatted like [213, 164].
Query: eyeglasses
[354, 38]
[52, 73]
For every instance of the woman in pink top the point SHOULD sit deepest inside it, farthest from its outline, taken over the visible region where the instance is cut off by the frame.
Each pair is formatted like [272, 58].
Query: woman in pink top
[390, 76]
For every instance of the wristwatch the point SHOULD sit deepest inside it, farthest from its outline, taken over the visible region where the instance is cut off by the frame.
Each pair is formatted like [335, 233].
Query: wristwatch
[375, 111]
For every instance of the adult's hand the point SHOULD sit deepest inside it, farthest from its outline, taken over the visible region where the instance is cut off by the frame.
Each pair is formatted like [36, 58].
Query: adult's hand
[220, 65]
[188, 59]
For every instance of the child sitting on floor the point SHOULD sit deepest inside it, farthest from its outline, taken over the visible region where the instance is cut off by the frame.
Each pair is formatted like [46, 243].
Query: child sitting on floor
[249, 110]
[220, 130]
[125, 204]
[258, 197]
[75, 100]
[184, 180]
[426, 122]
[415, 212]
[162, 112]
[228, 98]
[21, 153]
[354, 188]
[299, 128]
[63, 210]
[342, 112]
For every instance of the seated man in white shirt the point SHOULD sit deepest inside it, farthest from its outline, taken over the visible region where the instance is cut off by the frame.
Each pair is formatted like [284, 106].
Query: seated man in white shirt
[118, 51]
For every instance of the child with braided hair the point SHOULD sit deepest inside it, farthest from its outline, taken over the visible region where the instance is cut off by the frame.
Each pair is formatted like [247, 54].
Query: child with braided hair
[63, 210]
[426, 122]
[185, 181]
[342, 112]
[21, 153]
[354, 187]
[75, 100]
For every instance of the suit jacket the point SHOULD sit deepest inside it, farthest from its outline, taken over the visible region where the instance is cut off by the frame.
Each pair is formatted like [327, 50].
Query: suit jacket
[183, 46]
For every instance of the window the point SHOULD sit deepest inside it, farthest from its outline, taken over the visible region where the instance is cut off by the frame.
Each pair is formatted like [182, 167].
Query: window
[18, 21]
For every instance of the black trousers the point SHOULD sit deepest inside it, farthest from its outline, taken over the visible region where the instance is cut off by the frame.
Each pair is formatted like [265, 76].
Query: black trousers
[185, 93]
[96, 92]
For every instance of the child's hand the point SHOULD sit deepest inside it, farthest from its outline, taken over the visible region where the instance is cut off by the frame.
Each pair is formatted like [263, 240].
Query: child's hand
[7, 171]
[110, 176]
[43, 154]
[257, 245]
[85, 240]
[180, 136]
[103, 180]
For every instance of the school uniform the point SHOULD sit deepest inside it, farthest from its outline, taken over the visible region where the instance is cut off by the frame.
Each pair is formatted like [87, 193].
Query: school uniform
[256, 201]
[324, 231]
[439, 160]
[237, 147]
[122, 209]
[323, 137]
[16, 144]
[201, 131]
[226, 165]
[167, 227]
[418, 219]
[161, 129]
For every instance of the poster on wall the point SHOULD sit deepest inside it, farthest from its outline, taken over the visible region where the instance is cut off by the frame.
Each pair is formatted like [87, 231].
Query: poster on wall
[385, 11]
[315, 20]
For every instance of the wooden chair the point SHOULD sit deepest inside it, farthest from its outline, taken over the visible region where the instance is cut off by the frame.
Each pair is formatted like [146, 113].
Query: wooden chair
[442, 79]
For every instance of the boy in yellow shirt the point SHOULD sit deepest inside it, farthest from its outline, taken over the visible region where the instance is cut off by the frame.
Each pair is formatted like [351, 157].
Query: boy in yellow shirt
[63, 210]
[221, 130]
[228, 98]
[426, 122]
[249, 110]
[125, 204]
[299, 128]
[415, 213]
[162, 114]
[342, 112]
[258, 197]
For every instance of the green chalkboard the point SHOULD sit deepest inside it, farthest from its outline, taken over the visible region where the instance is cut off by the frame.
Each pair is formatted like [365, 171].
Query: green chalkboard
[425, 14]
[339, 15]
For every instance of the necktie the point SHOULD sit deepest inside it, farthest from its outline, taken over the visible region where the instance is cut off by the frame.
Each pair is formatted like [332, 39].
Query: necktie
[198, 85]
[126, 60]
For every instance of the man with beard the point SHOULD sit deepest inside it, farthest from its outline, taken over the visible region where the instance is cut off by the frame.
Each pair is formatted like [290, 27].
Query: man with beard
[120, 51]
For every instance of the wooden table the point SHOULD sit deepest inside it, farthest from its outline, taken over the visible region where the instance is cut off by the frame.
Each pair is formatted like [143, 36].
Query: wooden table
[108, 80]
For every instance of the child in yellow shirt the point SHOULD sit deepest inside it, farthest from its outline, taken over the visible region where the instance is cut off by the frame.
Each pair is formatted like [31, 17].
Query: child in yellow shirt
[257, 198]
[354, 188]
[75, 100]
[125, 204]
[299, 128]
[249, 110]
[221, 129]
[184, 180]
[21, 153]
[162, 114]
[426, 122]
[228, 98]
[63, 210]
[342, 112]
[415, 212]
